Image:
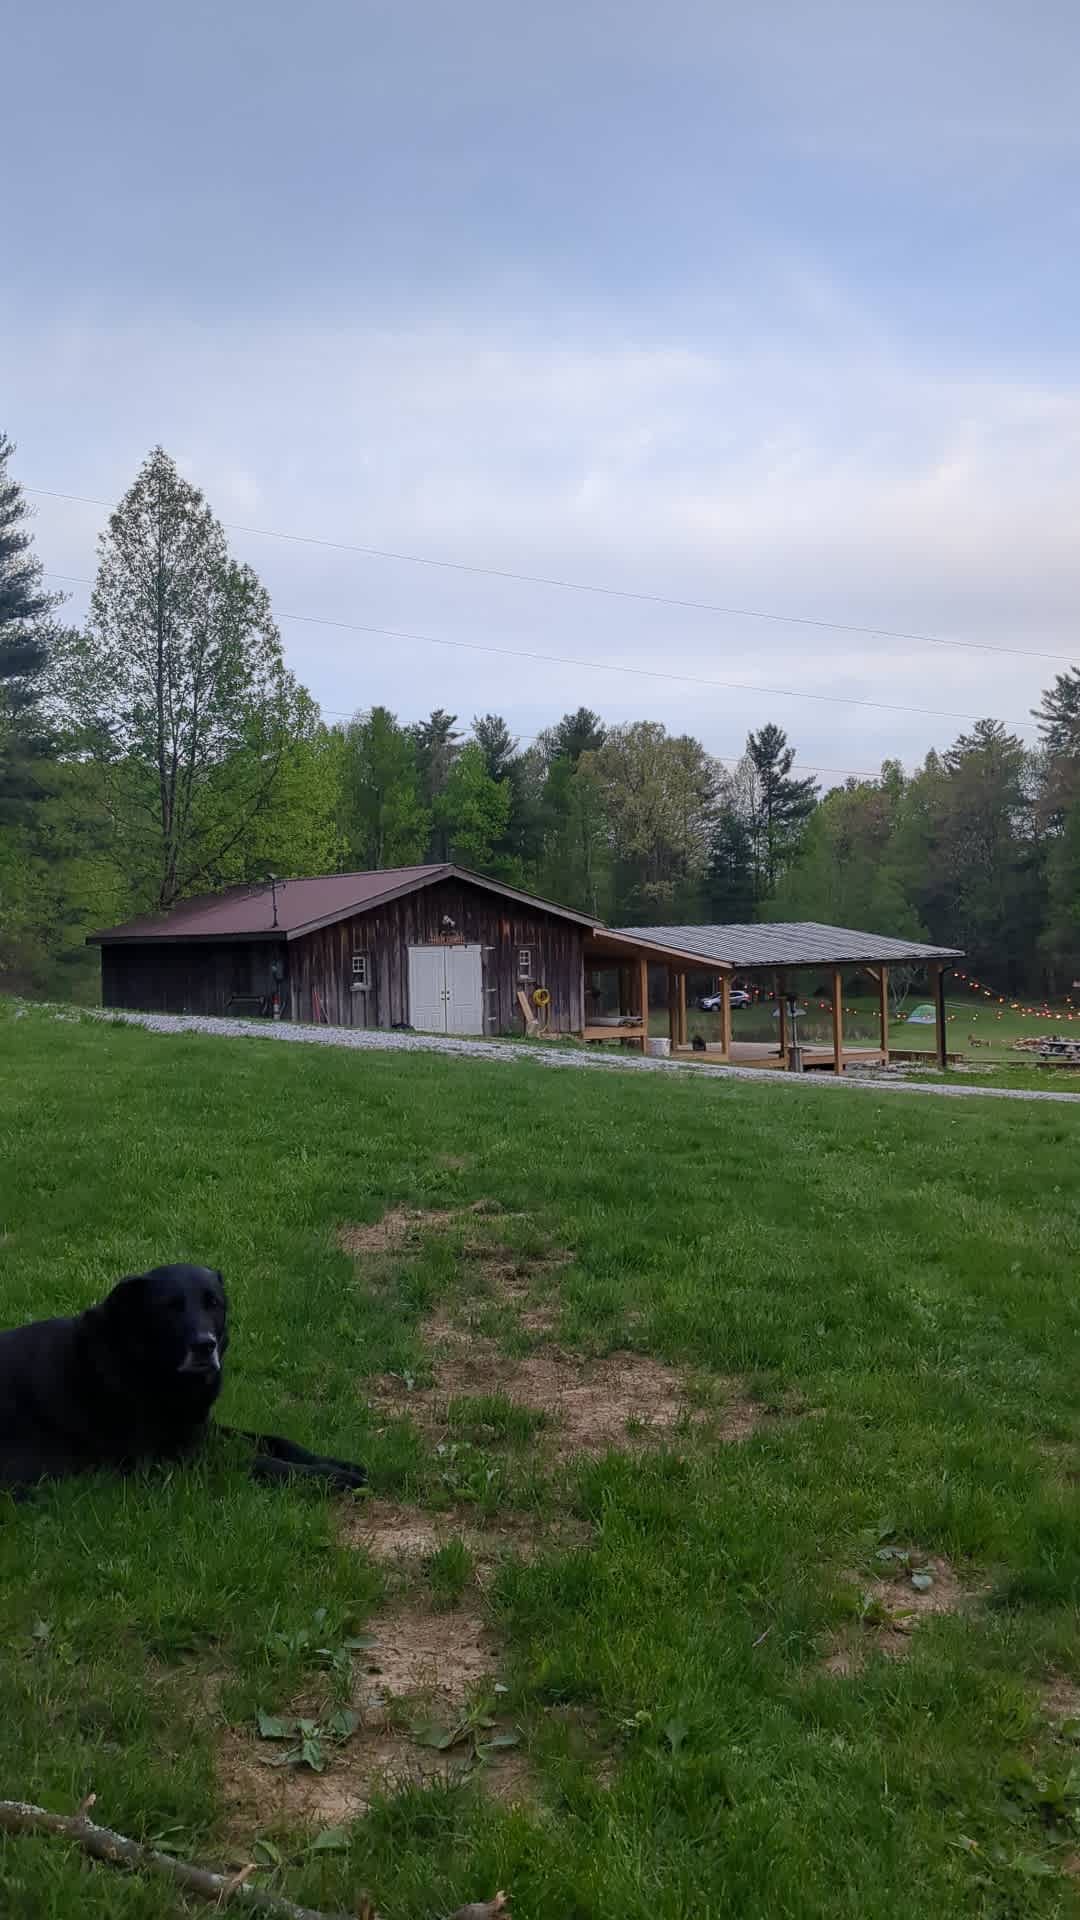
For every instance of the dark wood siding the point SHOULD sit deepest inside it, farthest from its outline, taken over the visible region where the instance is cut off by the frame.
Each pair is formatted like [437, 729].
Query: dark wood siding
[187, 977]
[322, 962]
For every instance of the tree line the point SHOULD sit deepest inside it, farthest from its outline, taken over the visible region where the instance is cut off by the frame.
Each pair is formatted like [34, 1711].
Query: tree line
[164, 749]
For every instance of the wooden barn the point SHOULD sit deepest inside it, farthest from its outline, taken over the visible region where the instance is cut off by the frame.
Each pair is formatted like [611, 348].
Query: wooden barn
[432, 947]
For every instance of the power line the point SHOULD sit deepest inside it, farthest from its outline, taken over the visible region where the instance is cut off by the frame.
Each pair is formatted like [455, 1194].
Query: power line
[613, 593]
[608, 666]
[349, 713]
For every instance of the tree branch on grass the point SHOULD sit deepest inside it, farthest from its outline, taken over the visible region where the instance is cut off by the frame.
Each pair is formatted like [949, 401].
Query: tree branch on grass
[20, 1816]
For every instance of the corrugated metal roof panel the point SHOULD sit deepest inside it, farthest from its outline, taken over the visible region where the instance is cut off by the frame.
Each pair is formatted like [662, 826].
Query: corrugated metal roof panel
[247, 913]
[790, 943]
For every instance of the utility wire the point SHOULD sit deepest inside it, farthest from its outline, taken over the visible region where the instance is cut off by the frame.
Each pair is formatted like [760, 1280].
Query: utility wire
[614, 593]
[608, 666]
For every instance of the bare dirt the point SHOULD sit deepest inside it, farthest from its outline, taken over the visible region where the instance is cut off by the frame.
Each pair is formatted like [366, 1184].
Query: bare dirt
[422, 1671]
[402, 1229]
[1061, 1698]
[403, 1536]
[893, 1610]
[590, 1405]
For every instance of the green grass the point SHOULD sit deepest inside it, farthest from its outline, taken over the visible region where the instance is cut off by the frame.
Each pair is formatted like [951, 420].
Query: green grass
[905, 1268]
[982, 1031]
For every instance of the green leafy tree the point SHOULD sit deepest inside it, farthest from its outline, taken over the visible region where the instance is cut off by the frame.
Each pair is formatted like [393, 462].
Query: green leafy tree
[728, 892]
[659, 795]
[473, 810]
[178, 687]
[383, 818]
[847, 870]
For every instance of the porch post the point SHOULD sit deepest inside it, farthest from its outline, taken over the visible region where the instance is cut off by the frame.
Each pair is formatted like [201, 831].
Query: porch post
[673, 1007]
[684, 1033]
[941, 1034]
[781, 1008]
[838, 1020]
[883, 988]
[725, 1015]
[643, 1000]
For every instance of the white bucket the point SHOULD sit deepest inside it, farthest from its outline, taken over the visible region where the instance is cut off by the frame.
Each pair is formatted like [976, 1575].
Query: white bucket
[658, 1048]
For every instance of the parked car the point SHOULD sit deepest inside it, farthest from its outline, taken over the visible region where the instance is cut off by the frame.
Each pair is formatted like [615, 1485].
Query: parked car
[711, 1002]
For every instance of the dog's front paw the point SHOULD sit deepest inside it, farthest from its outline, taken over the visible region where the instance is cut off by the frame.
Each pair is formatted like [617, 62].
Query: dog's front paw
[346, 1479]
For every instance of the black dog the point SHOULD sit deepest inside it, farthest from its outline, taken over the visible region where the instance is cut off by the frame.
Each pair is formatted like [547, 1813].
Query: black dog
[130, 1382]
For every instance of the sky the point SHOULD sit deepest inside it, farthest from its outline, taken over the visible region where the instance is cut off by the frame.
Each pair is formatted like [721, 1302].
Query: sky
[768, 308]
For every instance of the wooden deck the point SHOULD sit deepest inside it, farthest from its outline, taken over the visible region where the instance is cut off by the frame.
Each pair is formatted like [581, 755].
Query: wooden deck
[754, 1053]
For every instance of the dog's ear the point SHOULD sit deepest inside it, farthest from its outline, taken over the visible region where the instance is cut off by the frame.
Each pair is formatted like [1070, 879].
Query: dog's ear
[125, 1301]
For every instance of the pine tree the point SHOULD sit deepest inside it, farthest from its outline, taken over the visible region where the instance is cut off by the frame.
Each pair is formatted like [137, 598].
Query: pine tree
[780, 804]
[26, 635]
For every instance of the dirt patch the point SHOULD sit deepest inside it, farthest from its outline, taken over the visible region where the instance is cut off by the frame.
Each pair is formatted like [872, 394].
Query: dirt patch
[403, 1228]
[439, 1657]
[422, 1672]
[400, 1536]
[400, 1228]
[1061, 1698]
[894, 1603]
[258, 1797]
[591, 1405]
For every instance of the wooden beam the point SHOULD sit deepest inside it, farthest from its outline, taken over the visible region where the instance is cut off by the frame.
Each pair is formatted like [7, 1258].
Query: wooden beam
[673, 1007]
[781, 1008]
[941, 1031]
[883, 989]
[838, 1020]
[643, 1001]
[725, 1015]
[684, 1031]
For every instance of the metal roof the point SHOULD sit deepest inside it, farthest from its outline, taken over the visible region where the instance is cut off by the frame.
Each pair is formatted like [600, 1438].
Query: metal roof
[247, 913]
[606, 944]
[788, 943]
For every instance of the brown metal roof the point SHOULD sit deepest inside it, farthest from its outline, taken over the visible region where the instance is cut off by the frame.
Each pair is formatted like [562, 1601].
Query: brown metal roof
[789, 943]
[247, 913]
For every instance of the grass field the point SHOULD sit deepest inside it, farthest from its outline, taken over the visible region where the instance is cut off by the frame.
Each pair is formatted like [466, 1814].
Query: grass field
[846, 1331]
[982, 1032]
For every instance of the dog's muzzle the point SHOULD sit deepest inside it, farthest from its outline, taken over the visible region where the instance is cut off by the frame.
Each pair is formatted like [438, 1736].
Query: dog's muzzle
[202, 1356]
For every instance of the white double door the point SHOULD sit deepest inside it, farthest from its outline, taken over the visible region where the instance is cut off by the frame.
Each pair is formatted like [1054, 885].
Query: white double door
[446, 989]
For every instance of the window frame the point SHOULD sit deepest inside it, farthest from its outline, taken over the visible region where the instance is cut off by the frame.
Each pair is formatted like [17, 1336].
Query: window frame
[361, 970]
[525, 972]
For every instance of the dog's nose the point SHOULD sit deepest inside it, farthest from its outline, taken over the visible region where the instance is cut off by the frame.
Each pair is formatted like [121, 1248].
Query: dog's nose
[204, 1344]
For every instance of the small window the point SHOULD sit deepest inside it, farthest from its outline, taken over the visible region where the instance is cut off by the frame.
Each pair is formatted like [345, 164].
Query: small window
[361, 970]
[525, 966]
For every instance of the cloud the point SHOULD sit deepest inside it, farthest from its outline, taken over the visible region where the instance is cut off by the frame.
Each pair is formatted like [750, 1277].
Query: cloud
[832, 478]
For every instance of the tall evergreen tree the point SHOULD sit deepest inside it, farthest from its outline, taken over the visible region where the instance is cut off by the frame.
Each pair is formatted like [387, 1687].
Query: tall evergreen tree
[438, 743]
[779, 804]
[26, 636]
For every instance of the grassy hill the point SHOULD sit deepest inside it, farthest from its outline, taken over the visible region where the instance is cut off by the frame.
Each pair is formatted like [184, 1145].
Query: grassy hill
[723, 1543]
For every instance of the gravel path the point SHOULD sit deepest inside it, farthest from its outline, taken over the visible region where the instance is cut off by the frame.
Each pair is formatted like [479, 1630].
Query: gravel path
[380, 1042]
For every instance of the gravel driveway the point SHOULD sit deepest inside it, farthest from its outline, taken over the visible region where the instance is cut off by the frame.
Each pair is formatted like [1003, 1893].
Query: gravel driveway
[553, 1056]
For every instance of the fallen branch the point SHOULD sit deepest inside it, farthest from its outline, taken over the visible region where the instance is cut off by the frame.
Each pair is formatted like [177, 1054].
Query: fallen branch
[19, 1816]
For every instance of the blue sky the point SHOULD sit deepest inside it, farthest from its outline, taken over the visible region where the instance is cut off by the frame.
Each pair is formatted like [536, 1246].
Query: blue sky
[773, 307]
